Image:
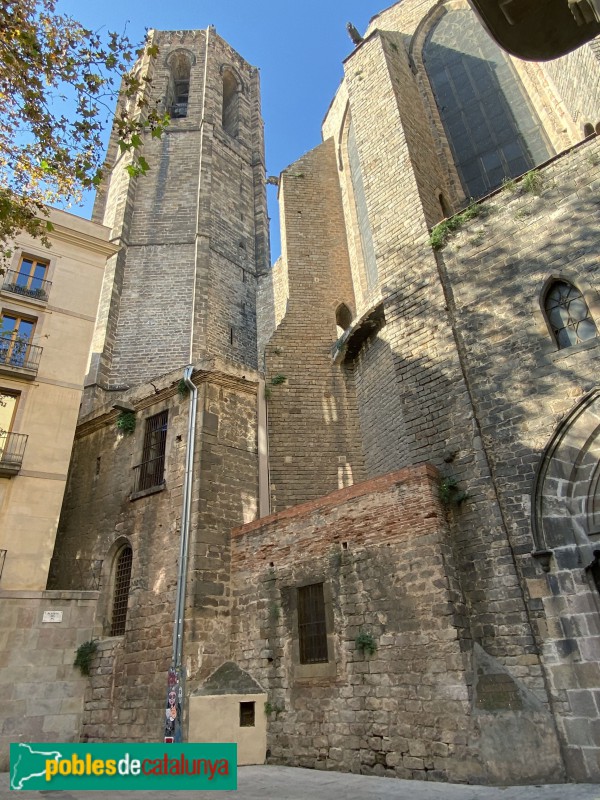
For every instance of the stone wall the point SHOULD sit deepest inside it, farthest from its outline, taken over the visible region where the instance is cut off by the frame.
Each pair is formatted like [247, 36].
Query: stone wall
[43, 692]
[522, 386]
[313, 441]
[103, 512]
[412, 400]
[419, 706]
[457, 375]
[196, 231]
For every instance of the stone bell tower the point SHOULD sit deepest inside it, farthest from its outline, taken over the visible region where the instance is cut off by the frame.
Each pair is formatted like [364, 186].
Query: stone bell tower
[194, 230]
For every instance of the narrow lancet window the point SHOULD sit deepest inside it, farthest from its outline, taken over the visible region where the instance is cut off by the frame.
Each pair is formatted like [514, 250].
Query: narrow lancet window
[179, 86]
[230, 119]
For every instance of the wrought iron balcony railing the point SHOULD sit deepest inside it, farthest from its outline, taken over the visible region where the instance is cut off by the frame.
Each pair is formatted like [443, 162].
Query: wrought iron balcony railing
[20, 355]
[26, 285]
[149, 475]
[12, 449]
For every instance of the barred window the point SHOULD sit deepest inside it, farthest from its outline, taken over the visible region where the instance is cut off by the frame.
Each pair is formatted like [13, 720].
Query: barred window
[121, 591]
[152, 468]
[312, 628]
[568, 314]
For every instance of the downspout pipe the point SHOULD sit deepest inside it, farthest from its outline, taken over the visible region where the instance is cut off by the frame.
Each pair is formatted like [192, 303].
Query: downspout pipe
[186, 515]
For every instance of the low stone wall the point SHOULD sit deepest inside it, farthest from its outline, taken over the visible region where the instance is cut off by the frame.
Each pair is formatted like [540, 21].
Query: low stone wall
[43, 692]
[422, 704]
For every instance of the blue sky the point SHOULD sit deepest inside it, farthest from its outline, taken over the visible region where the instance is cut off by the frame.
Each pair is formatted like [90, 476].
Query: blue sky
[298, 47]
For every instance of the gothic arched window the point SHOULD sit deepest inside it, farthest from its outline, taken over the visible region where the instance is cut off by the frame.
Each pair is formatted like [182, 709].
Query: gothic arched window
[122, 581]
[362, 214]
[231, 105]
[179, 85]
[568, 314]
[491, 128]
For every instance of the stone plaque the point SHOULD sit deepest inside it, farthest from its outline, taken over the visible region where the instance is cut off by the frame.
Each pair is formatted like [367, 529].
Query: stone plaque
[52, 616]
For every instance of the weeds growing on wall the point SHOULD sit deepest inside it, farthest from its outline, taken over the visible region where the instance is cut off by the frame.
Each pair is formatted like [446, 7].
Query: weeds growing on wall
[533, 182]
[441, 232]
[84, 655]
[365, 643]
[450, 494]
[126, 421]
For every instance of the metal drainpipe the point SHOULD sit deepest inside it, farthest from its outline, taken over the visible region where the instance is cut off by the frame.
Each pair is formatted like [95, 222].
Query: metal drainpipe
[185, 520]
[176, 671]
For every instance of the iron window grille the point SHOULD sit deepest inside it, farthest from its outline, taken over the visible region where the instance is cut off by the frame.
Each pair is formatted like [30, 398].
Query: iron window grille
[150, 472]
[312, 628]
[121, 592]
[568, 315]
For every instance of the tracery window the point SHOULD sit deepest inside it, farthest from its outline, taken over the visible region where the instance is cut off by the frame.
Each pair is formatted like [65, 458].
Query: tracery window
[491, 127]
[362, 214]
[568, 314]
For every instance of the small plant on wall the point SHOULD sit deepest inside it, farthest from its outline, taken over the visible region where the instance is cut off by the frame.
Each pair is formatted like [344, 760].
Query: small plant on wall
[126, 422]
[84, 655]
[365, 643]
[273, 708]
[533, 182]
[450, 494]
[442, 231]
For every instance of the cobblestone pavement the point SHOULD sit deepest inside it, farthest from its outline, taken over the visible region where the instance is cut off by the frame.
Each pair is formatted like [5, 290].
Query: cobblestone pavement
[289, 783]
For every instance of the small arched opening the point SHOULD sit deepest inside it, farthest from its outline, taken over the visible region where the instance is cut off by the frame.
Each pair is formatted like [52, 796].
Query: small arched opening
[231, 103]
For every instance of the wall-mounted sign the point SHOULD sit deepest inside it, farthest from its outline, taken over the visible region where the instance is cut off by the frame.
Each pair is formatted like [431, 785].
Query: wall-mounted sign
[52, 616]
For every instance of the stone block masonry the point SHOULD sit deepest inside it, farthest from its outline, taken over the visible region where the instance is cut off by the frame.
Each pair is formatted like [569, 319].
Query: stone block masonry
[314, 446]
[381, 550]
[102, 513]
[43, 693]
[522, 386]
[195, 230]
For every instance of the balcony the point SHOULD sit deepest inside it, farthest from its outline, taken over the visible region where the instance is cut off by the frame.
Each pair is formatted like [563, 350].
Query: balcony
[26, 286]
[19, 358]
[12, 448]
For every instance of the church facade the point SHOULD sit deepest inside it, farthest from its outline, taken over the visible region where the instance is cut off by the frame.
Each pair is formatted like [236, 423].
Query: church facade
[379, 455]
